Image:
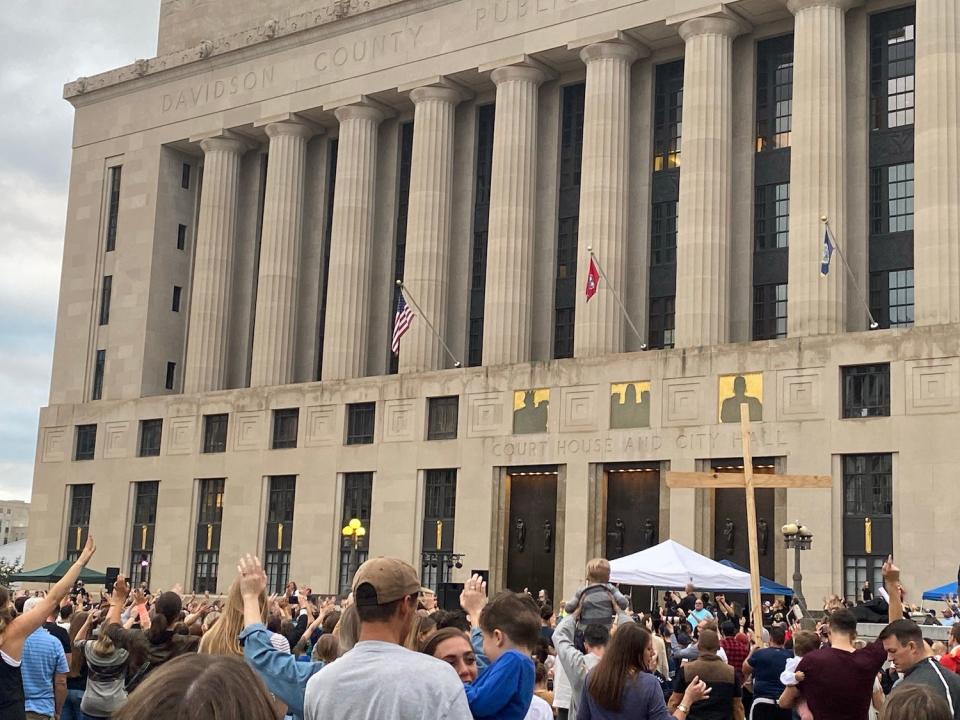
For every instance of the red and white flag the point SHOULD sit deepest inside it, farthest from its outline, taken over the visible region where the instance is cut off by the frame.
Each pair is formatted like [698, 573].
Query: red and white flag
[593, 280]
[401, 323]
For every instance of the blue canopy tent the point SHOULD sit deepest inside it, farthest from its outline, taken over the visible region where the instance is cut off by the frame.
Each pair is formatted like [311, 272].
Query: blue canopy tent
[941, 593]
[767, 587]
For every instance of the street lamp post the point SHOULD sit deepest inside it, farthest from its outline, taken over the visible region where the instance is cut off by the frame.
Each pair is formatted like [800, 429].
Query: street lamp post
[798, 537]
[354, 530]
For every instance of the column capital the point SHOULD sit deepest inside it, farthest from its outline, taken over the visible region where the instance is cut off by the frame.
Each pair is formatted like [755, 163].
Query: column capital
[225, 142]
[291, 129]
[710, 25]
[359, 111]
[796, 6]
[617, 50]
[526, 73]
[426, 93]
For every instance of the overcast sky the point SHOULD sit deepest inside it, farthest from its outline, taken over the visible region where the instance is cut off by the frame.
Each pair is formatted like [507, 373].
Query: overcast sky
[43, 44]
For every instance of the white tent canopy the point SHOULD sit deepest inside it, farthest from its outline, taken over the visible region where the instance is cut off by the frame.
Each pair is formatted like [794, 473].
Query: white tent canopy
[671, 565]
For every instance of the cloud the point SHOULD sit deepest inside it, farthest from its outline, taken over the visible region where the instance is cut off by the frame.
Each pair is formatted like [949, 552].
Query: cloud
[46, 43]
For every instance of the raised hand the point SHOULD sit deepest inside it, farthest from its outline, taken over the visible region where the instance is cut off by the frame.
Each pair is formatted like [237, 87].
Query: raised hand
[474, 597]
[253, 581]
[121, 590]
[891, 572]
[88, 550]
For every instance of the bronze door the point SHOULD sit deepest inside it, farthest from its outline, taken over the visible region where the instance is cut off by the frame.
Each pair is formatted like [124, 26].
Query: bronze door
[730, 522]
[532, 533]
[633, 512]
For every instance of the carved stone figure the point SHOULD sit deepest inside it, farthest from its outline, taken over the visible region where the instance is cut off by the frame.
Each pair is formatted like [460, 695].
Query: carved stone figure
[730, 535]
[620, 533]
[521, 534]
[649, 531]
[547, 536]
[763, 536]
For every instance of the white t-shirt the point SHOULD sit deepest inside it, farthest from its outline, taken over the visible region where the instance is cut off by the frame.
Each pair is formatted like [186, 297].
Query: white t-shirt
[539, 710]
[378, 680]
[561, 688]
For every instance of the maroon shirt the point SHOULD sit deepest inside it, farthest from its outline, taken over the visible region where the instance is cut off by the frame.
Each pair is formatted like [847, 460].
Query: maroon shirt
[838, 685]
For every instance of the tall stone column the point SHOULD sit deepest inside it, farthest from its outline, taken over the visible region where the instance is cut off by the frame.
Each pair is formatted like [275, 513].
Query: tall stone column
[604, 195]
[510, 235]
[703, 223]
[815, 304]
[428, 224]
[207, 336]
[348, 301]
[936, 227]
[275, 326]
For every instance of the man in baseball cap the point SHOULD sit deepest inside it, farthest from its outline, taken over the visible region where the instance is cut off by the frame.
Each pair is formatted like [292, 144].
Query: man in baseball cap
[379, 678]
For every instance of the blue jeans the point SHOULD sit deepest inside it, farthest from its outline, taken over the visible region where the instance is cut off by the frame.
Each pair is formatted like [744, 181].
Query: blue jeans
[71, 707]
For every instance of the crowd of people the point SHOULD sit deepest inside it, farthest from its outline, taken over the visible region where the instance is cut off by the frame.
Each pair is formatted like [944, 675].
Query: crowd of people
[387, 651]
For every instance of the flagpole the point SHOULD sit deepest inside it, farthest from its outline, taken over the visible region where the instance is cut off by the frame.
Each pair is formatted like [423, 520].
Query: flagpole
[643, 345]
[856, 286]
[406, 292]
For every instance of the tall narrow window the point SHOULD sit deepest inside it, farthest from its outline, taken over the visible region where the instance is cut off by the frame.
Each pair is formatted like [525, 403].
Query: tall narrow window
[113, 205]
[891, 297]
[181, 236]
[439, 515]
[665, 191]
[177, 293]
[150, 433]
[327, 236]
[892, 54]
[78, 520]
[279, 531]
[891, 198]
[215, 433]
[771, 216]
[144, 525]
[867, 519]
[774, 93]
[171, 375]
[286, 424]
[185, 177]
[86, 442]
[105, 293]
[568, 219]
[769, 311]
[481, 216]
[357, 496]
[400, 237]
[206, 559]
[98, 369]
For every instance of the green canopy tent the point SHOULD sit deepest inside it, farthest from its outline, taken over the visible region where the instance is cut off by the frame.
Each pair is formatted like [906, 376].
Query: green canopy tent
[53, 573]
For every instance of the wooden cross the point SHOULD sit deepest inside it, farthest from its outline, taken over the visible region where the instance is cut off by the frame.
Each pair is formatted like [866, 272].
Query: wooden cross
[748, 482]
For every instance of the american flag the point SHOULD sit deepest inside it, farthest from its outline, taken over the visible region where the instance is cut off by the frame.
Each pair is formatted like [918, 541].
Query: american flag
[401, 323]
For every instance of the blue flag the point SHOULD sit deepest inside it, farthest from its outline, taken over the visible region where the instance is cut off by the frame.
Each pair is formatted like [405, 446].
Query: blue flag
[827, 253]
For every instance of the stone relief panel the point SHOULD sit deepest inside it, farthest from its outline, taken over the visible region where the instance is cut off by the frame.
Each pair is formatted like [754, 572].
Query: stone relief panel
[115, 439]
[54, 445]
[485, 415]
[321, 426]
[736, 390]
[630, 405]
[531, 410]
[932, 386]
[251, 431]
[181, 434]
[578, 409]
[800, 395]
[681, 404]
[399, 425]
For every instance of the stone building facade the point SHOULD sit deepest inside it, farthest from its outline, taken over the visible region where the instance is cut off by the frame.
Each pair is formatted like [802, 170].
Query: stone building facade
[241, 206]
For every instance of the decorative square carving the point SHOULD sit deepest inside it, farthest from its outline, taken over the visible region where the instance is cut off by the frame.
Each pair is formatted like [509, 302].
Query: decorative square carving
[398, 423]
[181, 436]
[115, 439]
[250, 430]
[932, 386]
[578, 409]
[321, 426]
[800, 395]
[485, 414]
[54, 445]
[681, 401]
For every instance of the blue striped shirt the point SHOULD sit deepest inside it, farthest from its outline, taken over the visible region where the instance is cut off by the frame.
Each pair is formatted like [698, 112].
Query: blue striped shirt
[43, 658]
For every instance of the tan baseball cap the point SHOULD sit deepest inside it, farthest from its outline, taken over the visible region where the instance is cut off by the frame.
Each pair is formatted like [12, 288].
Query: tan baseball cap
[390, 578]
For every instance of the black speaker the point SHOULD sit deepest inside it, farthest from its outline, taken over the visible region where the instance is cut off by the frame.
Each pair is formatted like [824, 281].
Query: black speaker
[448, 595]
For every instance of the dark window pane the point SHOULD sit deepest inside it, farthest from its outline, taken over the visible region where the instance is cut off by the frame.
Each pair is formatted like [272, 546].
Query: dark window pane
[568, 218]
[357, 495]
[113, 206]
[279, 531]
[667, 115]
[209, 519]
[774, 93]
[86, 442]
[171, 375]
[150, 432]
[868, 485]
[866, 390]
[185, 177]
[439, 513]
[181, 237]
[361, 418]
[105, 293]
[78, 520]
[769, 311]
[442, 417]
[142, 535]
[661, 322]
[327, 236]
[481, 212]
[215, 433]
[771, 223]
[892, 297]
[663, 235]
[177, 292]
[98, 370]
[892, 54]
[400, 236]
[285, 426]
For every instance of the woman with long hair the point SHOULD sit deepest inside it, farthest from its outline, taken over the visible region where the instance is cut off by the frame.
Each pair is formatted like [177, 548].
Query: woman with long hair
[14, 630]
[77, 675]
[221, 637]
[107, 670]
[452, 645]
[621, 686]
